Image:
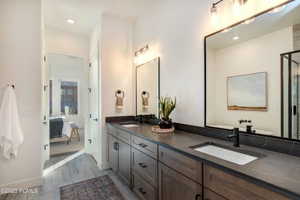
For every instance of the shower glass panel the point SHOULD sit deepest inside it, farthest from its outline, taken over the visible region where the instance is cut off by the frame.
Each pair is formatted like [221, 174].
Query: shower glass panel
[291, 95]
[295, 92]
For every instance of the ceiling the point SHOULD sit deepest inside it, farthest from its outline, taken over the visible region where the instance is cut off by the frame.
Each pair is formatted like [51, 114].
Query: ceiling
[264, 24]
[87, 13]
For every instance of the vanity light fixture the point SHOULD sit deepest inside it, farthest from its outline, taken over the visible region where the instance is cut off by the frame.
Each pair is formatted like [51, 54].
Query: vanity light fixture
[142, 50]
[71, 21]
[236, 38]
[236, 4]
[214, 9]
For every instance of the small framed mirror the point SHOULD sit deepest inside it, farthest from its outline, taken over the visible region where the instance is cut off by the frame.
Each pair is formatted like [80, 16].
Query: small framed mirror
[148, 88]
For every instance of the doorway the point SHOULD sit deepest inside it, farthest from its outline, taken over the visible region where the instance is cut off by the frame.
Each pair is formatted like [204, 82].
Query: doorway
[71, 96]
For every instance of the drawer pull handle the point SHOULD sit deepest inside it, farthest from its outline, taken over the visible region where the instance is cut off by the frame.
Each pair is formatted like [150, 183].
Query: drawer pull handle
[198, 197]
[143, 145]
[141, 190]
[142, 165]
[116, 146]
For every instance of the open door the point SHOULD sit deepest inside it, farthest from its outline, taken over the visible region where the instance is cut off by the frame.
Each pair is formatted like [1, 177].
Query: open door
[45, 111]
[92, 142]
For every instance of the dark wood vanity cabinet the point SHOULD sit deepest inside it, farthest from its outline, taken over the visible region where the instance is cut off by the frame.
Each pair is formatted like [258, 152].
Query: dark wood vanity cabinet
[124, 162]
[155, 172]
[119, 158]
[113, 153]
[175, 186]
[234, 188]
[210, 195]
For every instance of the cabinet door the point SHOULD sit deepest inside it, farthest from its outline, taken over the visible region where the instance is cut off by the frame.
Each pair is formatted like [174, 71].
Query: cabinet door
[113, 154]
[235, 188]
[124, 162]
[175, 186]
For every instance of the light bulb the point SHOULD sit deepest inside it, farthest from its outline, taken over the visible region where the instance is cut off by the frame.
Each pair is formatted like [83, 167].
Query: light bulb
[236, 8]
[214, 15]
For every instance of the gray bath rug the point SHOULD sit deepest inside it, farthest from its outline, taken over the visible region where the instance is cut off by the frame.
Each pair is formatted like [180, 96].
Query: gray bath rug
[101, 188]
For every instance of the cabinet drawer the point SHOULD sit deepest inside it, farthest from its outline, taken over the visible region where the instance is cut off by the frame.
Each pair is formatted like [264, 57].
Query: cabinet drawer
[145, 166]
[234, 188]
[145, 146]
[209, 195]
[123, 136]
[142, 189]
[187, 166]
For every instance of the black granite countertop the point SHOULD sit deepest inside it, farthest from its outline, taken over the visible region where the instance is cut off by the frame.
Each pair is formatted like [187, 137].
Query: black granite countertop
[275, 171]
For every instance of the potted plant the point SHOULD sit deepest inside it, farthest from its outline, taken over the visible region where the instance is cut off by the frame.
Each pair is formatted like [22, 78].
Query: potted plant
[167, 106]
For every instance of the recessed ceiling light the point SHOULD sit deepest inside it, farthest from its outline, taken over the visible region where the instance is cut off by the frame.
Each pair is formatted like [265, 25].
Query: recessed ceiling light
[236, 38]
[71, 21]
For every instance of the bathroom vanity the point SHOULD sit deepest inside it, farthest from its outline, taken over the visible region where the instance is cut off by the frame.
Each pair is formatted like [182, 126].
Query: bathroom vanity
[168, 167]
[252, 85]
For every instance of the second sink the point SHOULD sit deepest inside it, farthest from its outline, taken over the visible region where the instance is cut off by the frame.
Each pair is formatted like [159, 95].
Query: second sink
[224, 153]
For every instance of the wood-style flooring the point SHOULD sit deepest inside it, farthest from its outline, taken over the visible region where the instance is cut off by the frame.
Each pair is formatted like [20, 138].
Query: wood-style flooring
[60, 148]
[81, 168]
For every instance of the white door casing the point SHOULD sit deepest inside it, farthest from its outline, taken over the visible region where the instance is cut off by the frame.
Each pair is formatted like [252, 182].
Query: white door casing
[45, 111]
[93, 132]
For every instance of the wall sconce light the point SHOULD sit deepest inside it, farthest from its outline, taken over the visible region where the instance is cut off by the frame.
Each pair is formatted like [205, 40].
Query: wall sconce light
[120, 94]
[141, 51]
[145, 100]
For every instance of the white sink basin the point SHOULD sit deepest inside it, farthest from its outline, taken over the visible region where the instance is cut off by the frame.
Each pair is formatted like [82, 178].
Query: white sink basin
[225, 154]
[130, 125]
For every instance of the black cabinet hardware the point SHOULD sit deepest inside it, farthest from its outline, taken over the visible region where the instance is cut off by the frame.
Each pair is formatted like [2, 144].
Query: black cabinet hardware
[142, 165]
[116, 146]
[141, 190]
[143, 145]
[198, 197]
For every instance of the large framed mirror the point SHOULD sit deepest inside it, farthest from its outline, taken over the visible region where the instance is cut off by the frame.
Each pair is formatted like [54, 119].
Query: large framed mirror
[148, 88]
[252, 74]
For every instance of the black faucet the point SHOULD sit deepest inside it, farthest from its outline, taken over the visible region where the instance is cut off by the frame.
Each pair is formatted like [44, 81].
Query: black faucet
[236, 137]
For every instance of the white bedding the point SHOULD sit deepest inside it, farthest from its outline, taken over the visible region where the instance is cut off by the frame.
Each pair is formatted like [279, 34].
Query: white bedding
[67, 129]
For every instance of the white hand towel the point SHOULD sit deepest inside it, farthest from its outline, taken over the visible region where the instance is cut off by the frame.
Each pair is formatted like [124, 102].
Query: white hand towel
[11, 134]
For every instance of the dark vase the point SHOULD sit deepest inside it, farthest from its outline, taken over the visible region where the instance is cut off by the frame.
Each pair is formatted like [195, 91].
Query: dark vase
[165, 124]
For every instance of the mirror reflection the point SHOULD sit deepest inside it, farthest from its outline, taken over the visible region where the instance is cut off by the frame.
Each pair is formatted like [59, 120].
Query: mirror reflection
[147, 88]
[252, 75]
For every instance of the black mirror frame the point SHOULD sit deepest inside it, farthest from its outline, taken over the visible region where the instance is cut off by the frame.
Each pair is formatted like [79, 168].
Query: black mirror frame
[205, 73]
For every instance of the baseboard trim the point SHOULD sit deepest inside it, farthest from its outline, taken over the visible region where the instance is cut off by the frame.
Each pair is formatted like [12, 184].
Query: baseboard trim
[25, 183]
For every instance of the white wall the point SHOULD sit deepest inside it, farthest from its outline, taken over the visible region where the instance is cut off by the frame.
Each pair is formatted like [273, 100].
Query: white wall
[116, 71]
[20, 63]
[175, 30]
[116, 65]
[61, 42]
[261, 54]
